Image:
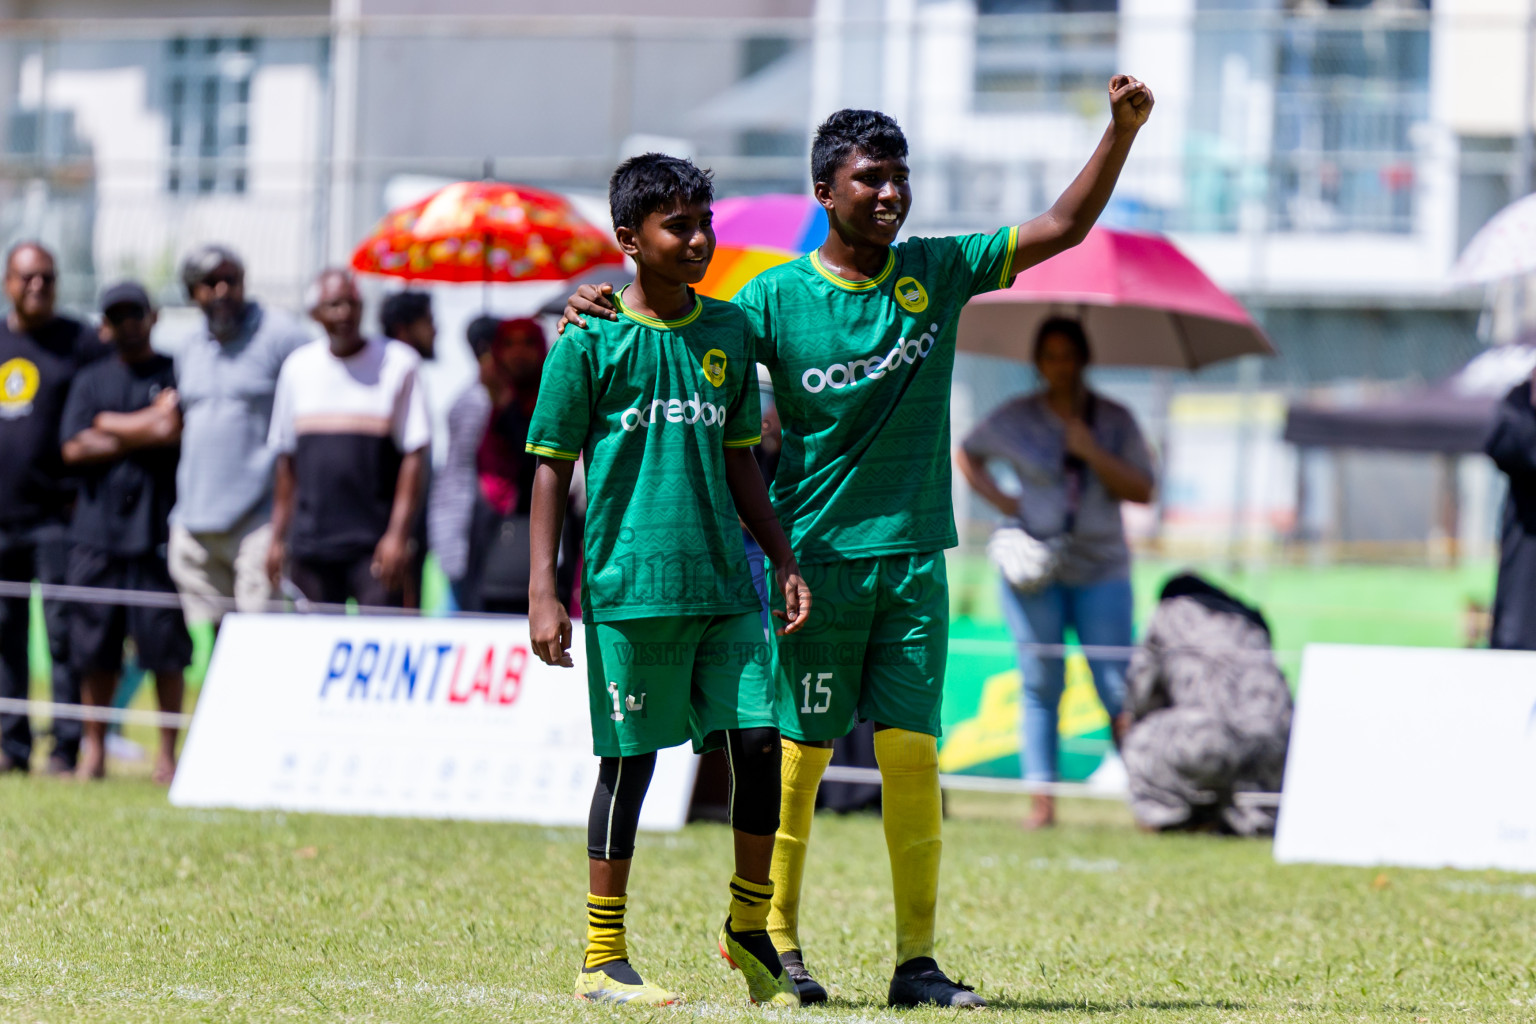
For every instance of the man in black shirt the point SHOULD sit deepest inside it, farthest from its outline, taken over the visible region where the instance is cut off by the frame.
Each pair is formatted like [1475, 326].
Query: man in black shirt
[123, 439]
[39, 356]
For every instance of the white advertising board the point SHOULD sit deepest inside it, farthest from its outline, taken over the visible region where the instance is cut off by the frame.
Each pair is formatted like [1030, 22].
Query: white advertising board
[1412, 756]
[437, 718]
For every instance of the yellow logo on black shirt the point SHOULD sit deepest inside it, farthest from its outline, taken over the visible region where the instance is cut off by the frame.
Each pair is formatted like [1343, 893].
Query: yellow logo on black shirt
[714, 367]
[910, 295]
[18, 386]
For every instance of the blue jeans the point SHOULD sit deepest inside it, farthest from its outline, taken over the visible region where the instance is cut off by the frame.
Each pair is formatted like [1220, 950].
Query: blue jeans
[1100, 614]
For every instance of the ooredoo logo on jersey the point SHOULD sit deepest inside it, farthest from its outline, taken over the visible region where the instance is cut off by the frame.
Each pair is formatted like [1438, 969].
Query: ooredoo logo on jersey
[841, 375]
[673, 410]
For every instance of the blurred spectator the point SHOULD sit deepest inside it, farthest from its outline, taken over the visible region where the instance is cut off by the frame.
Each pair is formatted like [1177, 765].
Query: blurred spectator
[488, 477]
[407, 316]
[1512, 446]
[122, 437]
[497, 580]
[40, 354]
[1077, 456]
[451, 505]
[350, 426]
[1210, 714]
[225, 379]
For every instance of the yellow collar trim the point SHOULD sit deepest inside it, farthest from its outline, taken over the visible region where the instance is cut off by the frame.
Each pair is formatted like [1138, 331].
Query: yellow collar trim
[650, 321]
[856, 286]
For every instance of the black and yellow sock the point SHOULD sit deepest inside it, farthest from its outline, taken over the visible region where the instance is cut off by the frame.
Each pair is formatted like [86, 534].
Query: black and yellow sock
[913, 811]
[801, 769]
[605, 931]
[749, 905]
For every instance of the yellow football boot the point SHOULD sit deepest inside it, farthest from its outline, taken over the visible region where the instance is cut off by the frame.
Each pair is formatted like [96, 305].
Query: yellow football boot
[618, 982]
[753, 955]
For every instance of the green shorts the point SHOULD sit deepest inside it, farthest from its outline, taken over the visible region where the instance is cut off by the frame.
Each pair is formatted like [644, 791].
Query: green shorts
[659, 682]
[873, 650]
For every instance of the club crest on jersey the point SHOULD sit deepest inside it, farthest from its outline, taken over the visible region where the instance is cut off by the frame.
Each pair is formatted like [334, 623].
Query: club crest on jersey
[714, 367]
[18, 386]
[911, 295]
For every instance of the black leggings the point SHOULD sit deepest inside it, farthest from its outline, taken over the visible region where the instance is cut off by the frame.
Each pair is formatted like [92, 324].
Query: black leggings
[753, 756]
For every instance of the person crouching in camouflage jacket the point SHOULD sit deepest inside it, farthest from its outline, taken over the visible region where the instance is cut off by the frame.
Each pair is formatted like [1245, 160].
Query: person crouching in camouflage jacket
[1210, 711]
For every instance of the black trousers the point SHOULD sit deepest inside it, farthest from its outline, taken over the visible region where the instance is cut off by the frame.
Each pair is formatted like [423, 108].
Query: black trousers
[35, 551]
[333, 582]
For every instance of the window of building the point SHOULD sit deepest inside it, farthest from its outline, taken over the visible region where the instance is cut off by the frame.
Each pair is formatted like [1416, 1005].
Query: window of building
[208, 99]
[1043, 55]
[1348, 97]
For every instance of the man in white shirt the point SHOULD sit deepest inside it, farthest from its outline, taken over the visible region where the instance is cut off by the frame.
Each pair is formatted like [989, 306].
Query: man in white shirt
[350, 427]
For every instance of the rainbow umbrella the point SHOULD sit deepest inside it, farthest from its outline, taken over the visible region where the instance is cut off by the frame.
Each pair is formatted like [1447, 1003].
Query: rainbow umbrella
[753, 233]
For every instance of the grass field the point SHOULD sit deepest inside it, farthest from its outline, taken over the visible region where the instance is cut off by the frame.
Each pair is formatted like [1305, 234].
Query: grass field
[120, 908]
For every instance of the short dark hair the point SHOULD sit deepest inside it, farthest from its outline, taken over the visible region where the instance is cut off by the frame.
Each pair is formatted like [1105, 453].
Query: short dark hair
[481, 332]
[1068, 328]
[852, 131]
[402, 309]
[644, 184]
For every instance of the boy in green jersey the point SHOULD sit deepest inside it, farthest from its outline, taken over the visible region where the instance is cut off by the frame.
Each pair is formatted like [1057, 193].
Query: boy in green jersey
[859, 337]
[663, 402]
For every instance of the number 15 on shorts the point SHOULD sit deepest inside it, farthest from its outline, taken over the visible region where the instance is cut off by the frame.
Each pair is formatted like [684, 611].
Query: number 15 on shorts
[822, 691]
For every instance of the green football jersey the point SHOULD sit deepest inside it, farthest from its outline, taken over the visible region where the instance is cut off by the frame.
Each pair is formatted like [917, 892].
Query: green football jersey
[861, 374]
[653, 404]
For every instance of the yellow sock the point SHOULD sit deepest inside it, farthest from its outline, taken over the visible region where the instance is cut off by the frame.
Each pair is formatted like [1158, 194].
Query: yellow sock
[801, 771]
[605, 930]
[913, 813]
[749, 904]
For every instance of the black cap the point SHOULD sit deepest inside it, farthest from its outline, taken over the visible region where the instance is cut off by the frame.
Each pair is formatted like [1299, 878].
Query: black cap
[125, 293]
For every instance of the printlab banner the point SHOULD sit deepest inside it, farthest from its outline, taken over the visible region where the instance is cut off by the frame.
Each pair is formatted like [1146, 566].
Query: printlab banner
[1415, 757]
[436, 718]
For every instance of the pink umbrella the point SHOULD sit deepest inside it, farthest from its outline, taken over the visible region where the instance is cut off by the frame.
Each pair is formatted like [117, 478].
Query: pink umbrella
[1142, 302]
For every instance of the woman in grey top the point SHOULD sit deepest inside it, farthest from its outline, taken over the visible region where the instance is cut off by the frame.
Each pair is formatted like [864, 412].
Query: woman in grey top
[1077, 456]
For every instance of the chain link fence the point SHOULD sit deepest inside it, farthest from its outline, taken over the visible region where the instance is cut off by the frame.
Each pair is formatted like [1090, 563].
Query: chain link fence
[1376, 138]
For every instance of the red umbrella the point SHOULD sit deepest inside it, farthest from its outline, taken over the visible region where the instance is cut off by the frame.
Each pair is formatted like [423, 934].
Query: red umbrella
[1141, 300]
[486, 232]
